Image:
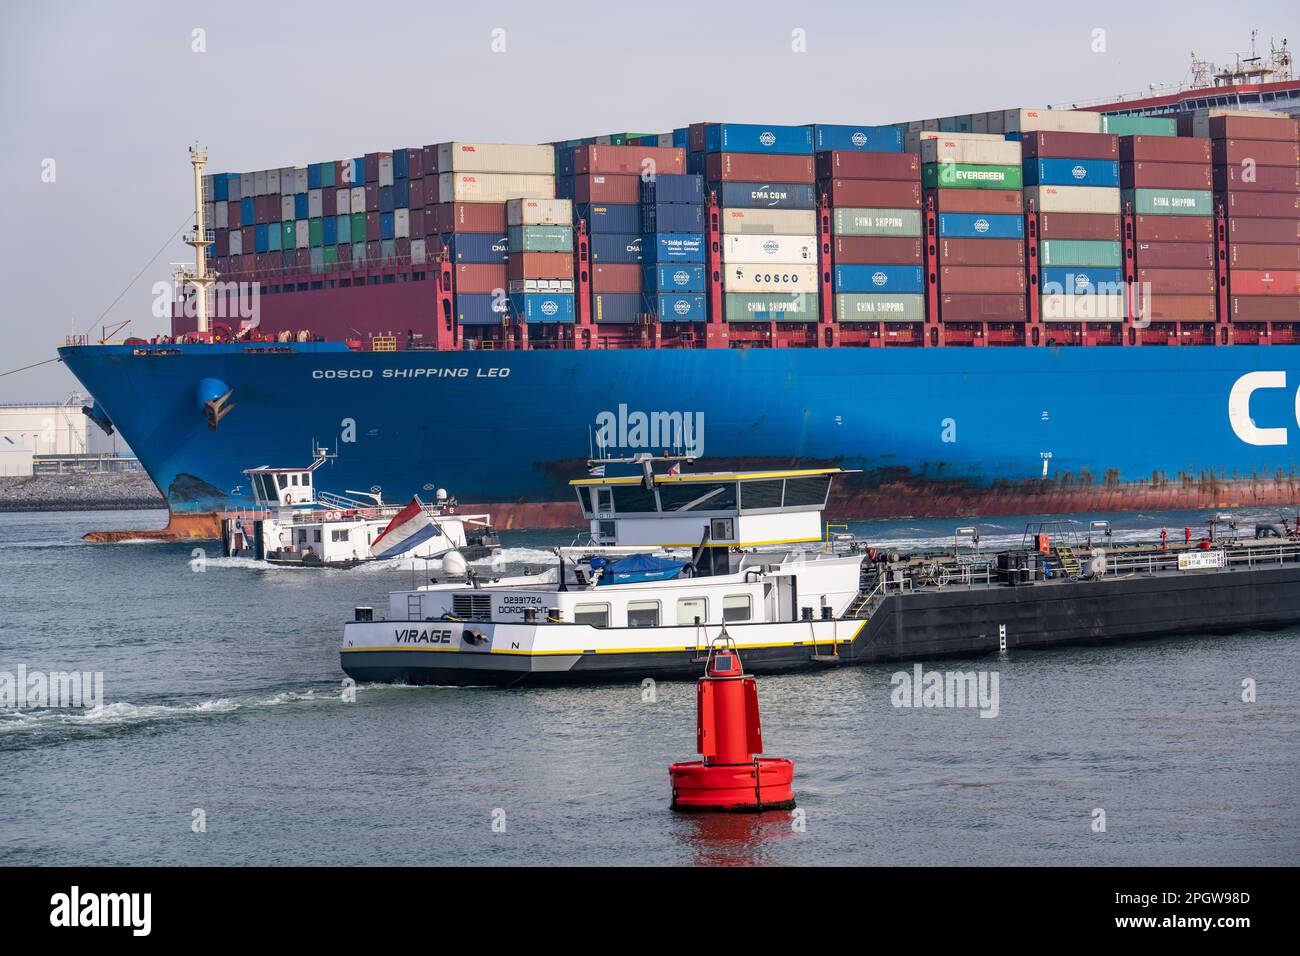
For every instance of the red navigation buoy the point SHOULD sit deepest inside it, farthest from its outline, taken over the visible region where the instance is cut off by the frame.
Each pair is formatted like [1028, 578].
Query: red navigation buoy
[730, 777]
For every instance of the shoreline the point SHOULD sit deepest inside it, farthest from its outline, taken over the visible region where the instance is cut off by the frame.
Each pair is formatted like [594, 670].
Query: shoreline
[108, 491]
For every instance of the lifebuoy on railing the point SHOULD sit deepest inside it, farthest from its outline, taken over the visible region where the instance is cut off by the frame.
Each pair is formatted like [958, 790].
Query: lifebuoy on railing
[288, 499]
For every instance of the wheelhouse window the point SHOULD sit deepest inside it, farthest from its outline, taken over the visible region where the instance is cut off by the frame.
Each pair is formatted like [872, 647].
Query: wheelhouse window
[593, 615]
[698, 496]
[642, 613]
[632, 499]
[337, 536]
[755, 495]
[690, 610]
[737, 607]
[807, 491]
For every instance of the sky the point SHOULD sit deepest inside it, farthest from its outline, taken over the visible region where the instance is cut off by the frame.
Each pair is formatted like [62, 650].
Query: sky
[115, 93]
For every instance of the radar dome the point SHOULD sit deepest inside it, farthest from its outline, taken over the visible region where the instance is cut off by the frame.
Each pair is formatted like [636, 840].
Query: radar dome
[454, 564]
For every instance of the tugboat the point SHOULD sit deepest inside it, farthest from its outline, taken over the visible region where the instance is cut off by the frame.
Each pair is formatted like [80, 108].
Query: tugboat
[296, 525]
[675, 560]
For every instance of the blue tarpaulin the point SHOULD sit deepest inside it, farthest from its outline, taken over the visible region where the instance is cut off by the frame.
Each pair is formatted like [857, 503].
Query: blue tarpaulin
[641, 567]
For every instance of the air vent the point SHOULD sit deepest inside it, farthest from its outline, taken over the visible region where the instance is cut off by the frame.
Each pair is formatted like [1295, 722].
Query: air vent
[472, 607]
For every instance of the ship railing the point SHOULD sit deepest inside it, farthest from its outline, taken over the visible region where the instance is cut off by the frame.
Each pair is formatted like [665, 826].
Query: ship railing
[1236, 556]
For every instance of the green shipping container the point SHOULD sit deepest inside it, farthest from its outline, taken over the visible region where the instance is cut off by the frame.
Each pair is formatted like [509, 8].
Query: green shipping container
[345, 230]
[540, 238]
[316, 233]
[1080, 252]
[876, 222]
[769, 306]
[274, 234]
[1139, 125]
[331, 256]
[358, 227]
[970, 176]
[287, 237]
[327, 175]
[877, 307]
[1170, 202]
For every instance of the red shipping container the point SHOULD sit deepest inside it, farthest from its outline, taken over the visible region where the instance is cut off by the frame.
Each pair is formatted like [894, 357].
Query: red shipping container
[1178, 281]
[878, 251]
[1264, 230]
[604, 188]
[1264, 282]
[345, 255]
[757, 168]
[1174, 255]
[617, 277]
[221, 264]
[982, 308]
[1007, 202]
[1179, 308]
[373, 227]
[470, 217]
[1250, 127]
[982, 252]
[417, 223]
[1265, 308]
[1144, 175]
[628, 159]
[430, 154]
[1263, 205]
[1164, 149]
[431, 190]
[222, 243]
[371, 163]
[248, 238]
[541, 265]
[416, 192]
[303, 256]
[1173, 228]
[986, 279]
[1260, 179]
[842, 164]
[480, 278]
[1075, 225]
[1237, 151]
[260, 215]
[234, 215]
[414, 164]
[403, 248]
[372, 198]
[873, 194]
[1264, 257]
[1054, 145]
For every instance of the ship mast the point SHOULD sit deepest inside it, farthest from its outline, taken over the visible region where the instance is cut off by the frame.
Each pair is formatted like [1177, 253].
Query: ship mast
[200, 237]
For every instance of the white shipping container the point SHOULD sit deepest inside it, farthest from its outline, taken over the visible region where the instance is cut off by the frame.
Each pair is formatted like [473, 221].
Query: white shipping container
[1070, 307]
[342, 202]
[273, 182]
[259, 183]
[540, 285]
[1052, 121]
[539, 212]
[385, 169]
[236, 242]
[769, 222]
[358, 199]
[209, 214]
[286, 208]
[418, 251]
[300, 179]
[315, 203]
[493, 187]
[789, 250]
[1074, 199]
[979, 122]
[208, 191]
[301, 234]
[286, 181]
[955, 149]
[246, 186]
[233, 193]
[664, 141]
[912, 141]
[766, 277]
[401, 223]
[221, 215]
[460, 157]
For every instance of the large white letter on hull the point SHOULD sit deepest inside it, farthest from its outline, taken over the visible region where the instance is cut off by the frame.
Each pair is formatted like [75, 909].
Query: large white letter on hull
[1239, 408]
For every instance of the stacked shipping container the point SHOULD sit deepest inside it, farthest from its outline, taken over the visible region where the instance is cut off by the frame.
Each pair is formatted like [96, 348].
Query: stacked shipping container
[770, 274]
[672, 242]
[1166, 182]
[540, 269]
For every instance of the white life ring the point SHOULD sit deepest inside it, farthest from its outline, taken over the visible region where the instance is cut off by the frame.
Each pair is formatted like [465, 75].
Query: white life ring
[288, 499]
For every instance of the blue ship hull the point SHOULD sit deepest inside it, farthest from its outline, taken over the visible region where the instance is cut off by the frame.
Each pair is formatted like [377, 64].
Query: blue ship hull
[934, 431]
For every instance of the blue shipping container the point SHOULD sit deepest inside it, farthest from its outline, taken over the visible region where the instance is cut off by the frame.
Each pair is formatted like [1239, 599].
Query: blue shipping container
[1071, 172]
[352, 172]
[673, 278]
[674, 188]
[682, 137]
[330, 230]
[897, 279]
[865, 139]
[313, 176]
[766, 195]
[481, 308]
[615, 247]
[300, 206]
[386, 199]
[610, 217]
[401, 194]
[220, 187]
[680, 308]
[399, 164]
[274, 237]
[343, 229]
[674, 247]
[259, 237]
[975, 226]
[617, 307]
[246, 211]
[1076, 279]
[672, 217]
[564, 187]
[385, 225]
[543, 306]
[751, 138]
[482, 248]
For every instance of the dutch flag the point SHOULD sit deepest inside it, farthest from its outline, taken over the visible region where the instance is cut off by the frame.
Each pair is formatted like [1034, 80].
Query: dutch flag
[410, 527]
[597, 472]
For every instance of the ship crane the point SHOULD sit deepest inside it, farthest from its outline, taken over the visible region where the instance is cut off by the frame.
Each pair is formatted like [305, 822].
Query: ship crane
[199, 238]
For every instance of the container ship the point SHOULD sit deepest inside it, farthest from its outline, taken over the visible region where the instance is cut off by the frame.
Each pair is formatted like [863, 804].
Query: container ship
[1023, 310]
